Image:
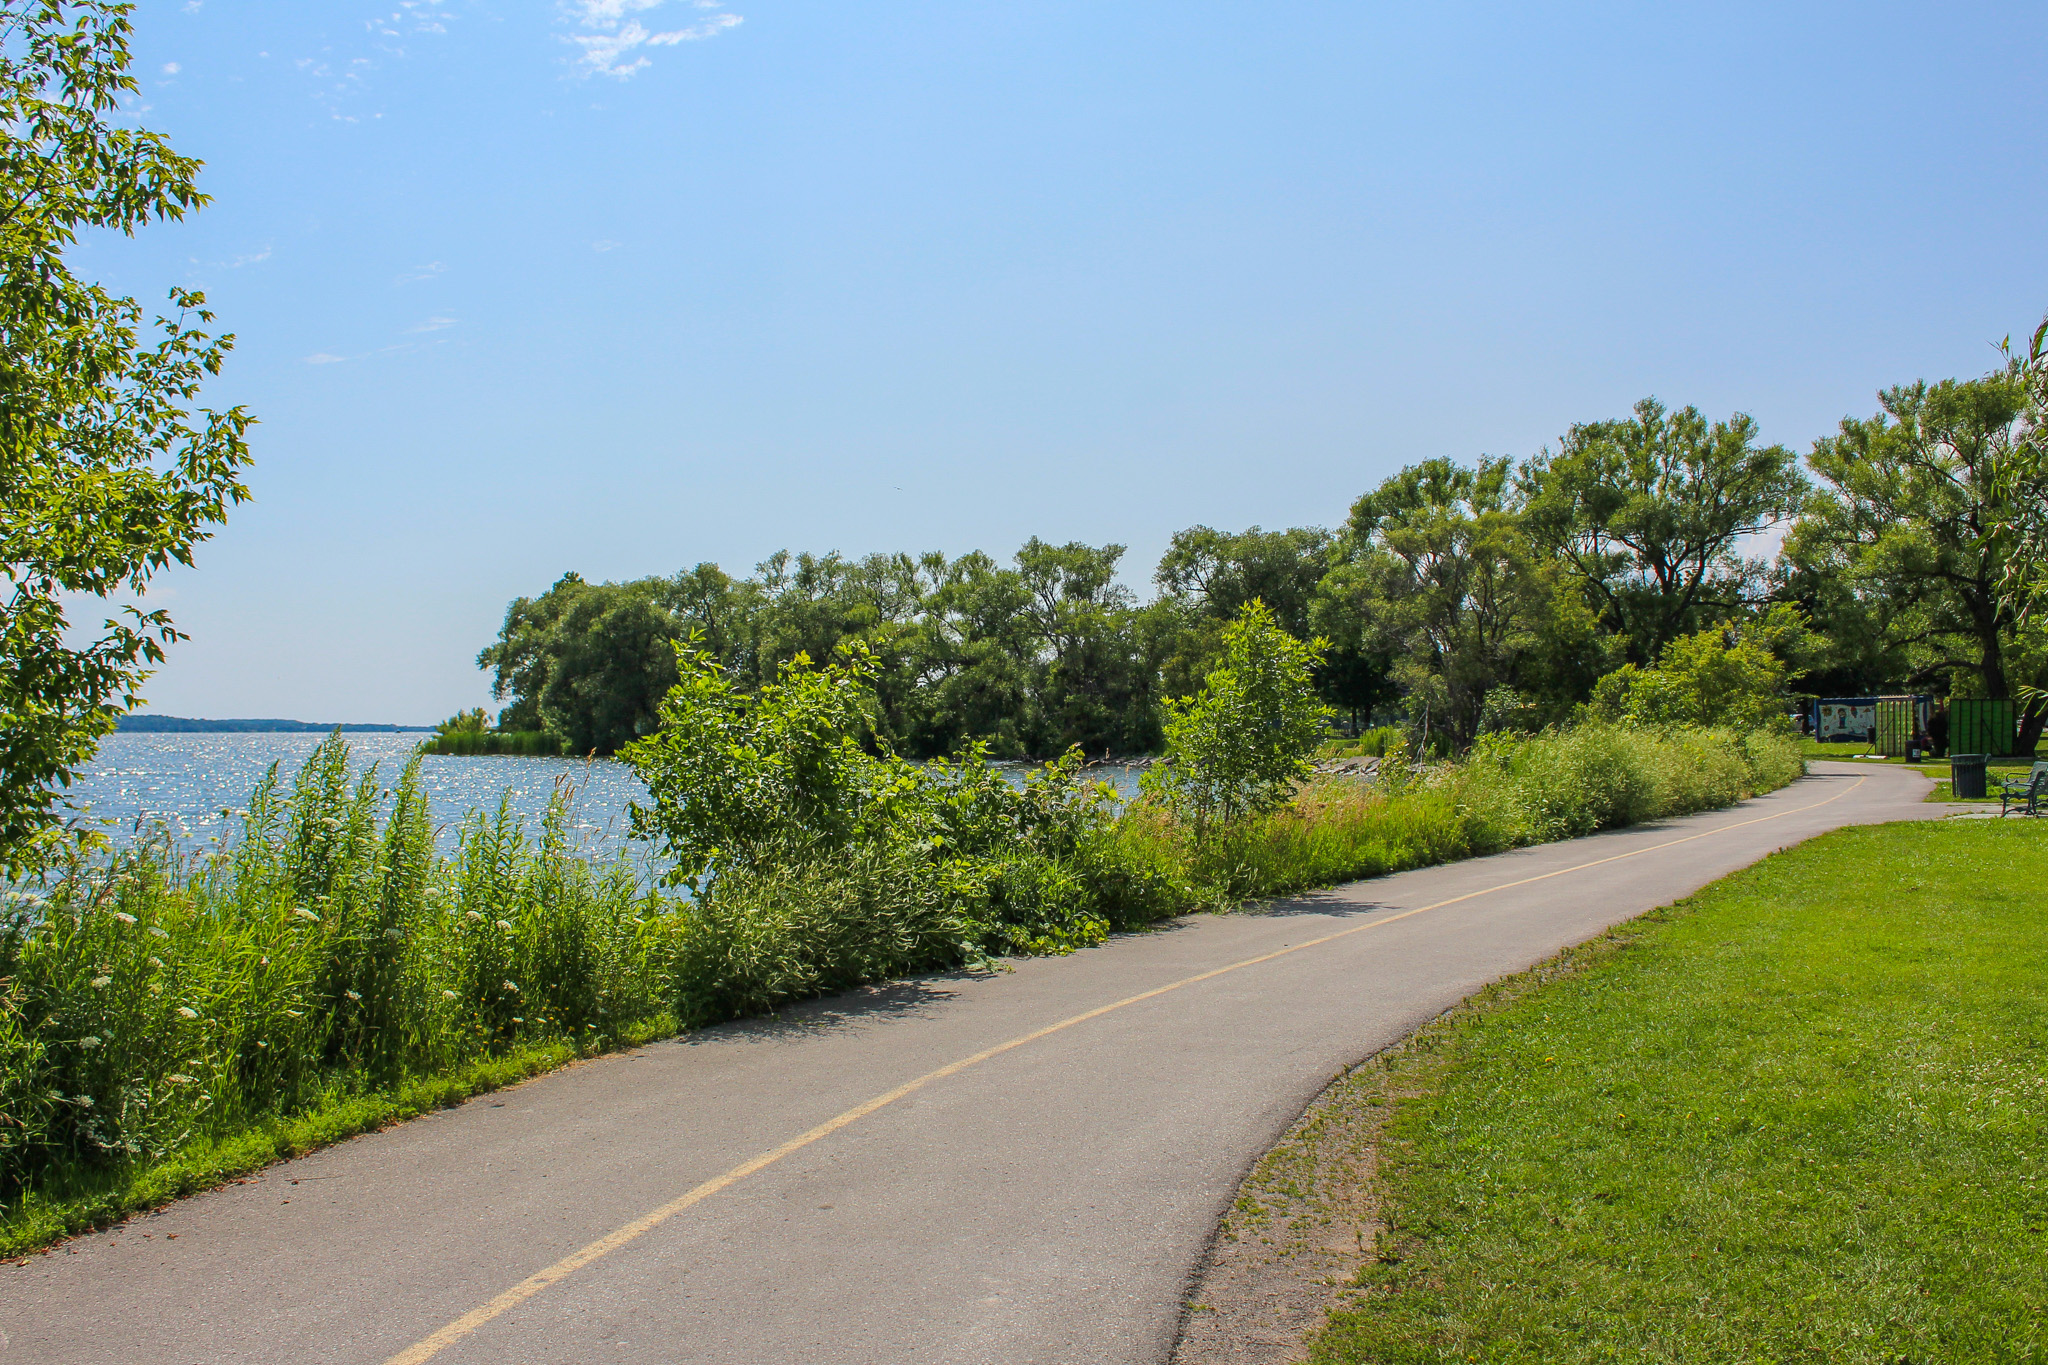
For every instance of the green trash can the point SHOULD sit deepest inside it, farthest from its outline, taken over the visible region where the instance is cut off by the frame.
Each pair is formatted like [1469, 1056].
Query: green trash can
[1966, 775]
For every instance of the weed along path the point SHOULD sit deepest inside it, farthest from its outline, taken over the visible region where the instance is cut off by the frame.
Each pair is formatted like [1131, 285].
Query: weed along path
[1023, 1167]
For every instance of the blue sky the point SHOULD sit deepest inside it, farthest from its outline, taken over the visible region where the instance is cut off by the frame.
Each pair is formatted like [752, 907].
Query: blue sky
[620, 286]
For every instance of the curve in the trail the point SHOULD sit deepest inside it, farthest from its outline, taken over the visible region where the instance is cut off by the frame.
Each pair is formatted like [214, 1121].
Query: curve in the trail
[432, 1346]
[1047, 1209]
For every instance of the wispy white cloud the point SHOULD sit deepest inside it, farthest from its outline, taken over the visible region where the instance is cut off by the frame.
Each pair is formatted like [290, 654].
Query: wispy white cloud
[322, 358]
[430, 271]
[614, 42]
[343, 83]
[606, 244]
[432, 325]
[610, 37]
[172, 68]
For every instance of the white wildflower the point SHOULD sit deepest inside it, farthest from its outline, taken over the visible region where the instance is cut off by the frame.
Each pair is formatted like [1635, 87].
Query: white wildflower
[394, 934]
[159, 931]
[88, 1041]
[448, 995]
[187, 1012]
[303, 913]
[510, 985]
[177, 1078]
[100, 983]
[506, 925]
[471, 914]
[352, 995]
[124, 917]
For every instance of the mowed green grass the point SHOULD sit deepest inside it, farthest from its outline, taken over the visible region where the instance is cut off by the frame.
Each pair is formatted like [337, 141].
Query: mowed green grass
[1797, 1117]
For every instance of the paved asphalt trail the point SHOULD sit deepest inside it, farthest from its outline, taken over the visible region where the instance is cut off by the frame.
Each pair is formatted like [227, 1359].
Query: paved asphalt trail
[1045, 1204]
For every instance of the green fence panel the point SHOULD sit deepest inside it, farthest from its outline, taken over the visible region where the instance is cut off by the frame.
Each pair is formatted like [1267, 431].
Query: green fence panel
[1895, 726]
[1978, 725]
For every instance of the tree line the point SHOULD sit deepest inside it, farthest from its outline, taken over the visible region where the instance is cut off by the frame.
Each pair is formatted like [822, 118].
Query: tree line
[1455, 597]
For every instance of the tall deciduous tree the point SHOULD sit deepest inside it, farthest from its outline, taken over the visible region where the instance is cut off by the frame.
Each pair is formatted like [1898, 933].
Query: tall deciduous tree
[1910, 517]
[1206, 576]
[1217, 572]
[1648, 514]
[1440, 575]
[108, 471]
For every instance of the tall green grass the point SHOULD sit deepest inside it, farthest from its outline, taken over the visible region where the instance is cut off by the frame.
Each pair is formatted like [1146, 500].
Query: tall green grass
[1509, 792]
[156, 996]
[161, 1008]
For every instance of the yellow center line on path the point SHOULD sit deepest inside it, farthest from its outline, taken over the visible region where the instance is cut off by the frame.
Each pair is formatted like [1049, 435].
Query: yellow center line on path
[610, 1242]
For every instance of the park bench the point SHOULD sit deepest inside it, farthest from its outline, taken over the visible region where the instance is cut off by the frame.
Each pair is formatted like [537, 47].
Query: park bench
[2013, 791]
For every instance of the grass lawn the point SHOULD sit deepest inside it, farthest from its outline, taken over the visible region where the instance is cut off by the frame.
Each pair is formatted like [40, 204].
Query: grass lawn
[1799, 1116]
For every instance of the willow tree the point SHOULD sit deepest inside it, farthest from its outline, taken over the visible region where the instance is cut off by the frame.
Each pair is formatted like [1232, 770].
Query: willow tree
[109, 471]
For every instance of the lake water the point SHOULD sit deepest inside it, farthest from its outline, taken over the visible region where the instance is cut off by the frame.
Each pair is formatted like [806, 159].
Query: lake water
[187, 780]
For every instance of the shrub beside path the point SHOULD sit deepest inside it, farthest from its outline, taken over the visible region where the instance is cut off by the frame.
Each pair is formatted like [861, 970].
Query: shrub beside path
[1024, 1167]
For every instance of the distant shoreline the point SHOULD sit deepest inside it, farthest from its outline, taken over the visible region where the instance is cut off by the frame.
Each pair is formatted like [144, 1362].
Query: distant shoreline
[182, 725]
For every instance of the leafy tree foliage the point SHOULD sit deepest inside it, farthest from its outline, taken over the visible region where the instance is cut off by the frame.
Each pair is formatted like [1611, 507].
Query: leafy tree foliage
[1647, 514]
[1241, 744]
[743, 778]
[587, 661]
[1439, 574]
[1908, 520]
[108, 472]
[1220, 572]
[1497, 595]
[1734, 677]
[1031, 659]
[2021, 525]
[773, 792]
[1207, 576]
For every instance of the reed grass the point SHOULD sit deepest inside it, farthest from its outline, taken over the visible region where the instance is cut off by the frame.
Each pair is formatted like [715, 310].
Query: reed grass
[1508, 793]
[155, 999]
[169, 1018]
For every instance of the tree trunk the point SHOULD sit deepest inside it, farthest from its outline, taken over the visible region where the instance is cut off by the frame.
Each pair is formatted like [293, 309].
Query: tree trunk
[2032, 720]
